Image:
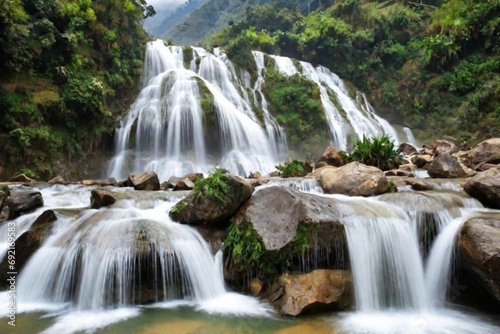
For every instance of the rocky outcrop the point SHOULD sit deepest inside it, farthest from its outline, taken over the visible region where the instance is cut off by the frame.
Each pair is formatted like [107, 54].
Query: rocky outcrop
[331, 157]
[317, 291]
[485, 187]
[23, 201]
[200, 209]
[445, 166]
[144, 181]
[486, 152]
[354, 179]
[479, 246]
[100, 198]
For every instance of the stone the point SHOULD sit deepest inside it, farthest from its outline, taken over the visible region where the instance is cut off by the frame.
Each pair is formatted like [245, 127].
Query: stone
[419, 184]
[487, 151]
[184, 184]
[30, 241]
[479, 246]
[485, 187]
[101, 198]
[21, 178]
[57, 180]
[256, 286]
[144, 181]
[208, 210]
[443, 146]
[407, 149]
[99, 183]
[445, 166]
[331, 157]
[420, 160]
[23, 201]
[354, 179]
[319, 290]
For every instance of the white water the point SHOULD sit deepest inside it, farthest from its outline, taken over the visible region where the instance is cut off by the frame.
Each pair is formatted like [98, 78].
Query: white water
[189, 120]
[94, 264]
[351, 117]
[395, 292]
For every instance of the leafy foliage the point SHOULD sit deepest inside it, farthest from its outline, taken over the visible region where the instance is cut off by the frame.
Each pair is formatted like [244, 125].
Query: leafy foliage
[378, 151]
[215, 186]
[249, 254]
[294, 168]
[63, 64]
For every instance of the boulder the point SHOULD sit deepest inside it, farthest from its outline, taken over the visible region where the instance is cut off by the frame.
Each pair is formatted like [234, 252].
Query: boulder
[479, 246]
[21, 178]
[420, 160]
[418, 184]
[100, 198]
[331, 157]
[354, 179]
[185, 182]
[442, 146]
[57, 180]
[196, 209]
[22, 201]
[487, 151]
[144, 181]
[30, 241]
[407, 149]
[100, 183]
[445, 166]
[319, 290]
[485, 187]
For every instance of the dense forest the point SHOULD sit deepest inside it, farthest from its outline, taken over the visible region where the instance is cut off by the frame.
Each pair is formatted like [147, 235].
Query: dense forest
[432, 65]
[66, 66]
[69, 69]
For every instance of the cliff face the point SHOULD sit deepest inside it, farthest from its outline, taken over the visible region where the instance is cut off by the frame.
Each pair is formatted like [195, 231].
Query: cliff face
[68, 71]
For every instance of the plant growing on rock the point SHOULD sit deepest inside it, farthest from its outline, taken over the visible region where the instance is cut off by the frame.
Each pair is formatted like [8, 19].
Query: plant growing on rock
[214, 186]
[294, 168]
[378, 151]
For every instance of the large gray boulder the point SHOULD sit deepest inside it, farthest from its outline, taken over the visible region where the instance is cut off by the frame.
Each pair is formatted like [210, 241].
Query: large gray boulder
[445, 166]
[23, 201]
[354, 179]
[485, 187]
[479, 246]
[199, 209]
[317, 291]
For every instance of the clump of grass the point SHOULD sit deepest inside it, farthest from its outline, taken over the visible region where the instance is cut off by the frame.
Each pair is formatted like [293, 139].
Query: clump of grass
[378, 151]
[294, 168]
[214, 186]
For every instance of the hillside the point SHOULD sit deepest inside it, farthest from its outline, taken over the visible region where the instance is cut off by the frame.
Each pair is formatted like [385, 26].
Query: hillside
[433, 66]
[68, 68]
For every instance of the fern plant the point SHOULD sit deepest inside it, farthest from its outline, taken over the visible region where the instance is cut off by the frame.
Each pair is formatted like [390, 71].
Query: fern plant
[214, 186]
[378, 151]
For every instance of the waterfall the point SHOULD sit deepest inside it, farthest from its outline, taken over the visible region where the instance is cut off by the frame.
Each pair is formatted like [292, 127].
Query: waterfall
[193, 114]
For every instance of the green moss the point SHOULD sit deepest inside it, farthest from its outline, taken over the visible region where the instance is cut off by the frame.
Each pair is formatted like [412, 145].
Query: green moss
[179, 207]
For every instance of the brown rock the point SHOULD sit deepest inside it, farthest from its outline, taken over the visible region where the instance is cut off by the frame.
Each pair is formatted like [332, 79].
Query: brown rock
[445, 166]
[479, 246]
[100, 198]
[485, 187]
[319, 290]
[487, 151]
[144, 181]
[443, 146]
[420, 160]
[419, 184]
[354, 179]
[407, 149]
[256, 286]
[57, 180]
[331, 157]
[22, 201]
[21, 178]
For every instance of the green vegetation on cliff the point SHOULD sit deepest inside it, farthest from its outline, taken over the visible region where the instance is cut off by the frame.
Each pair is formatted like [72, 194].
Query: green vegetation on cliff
[434, 65]
[64, 64]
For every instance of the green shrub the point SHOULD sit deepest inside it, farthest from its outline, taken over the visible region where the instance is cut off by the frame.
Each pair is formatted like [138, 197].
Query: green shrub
[378, 151]
[214, 186]
[294, 168]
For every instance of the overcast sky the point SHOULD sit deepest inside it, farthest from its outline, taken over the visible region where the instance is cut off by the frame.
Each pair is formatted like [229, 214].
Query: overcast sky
[164, 3]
